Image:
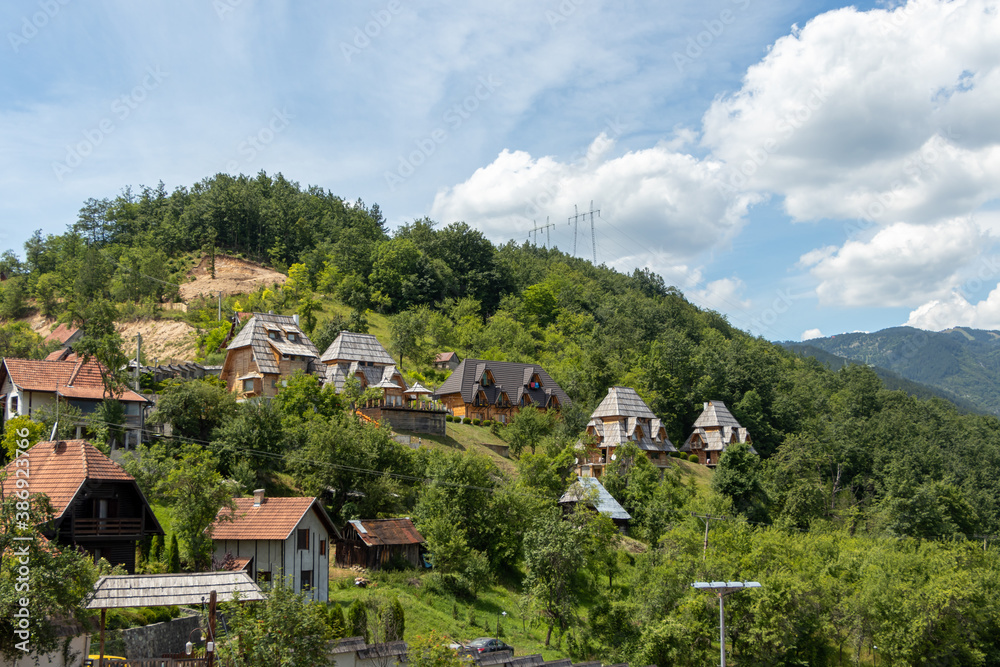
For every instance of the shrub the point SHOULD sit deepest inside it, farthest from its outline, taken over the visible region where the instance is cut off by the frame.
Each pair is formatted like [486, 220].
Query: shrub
[487, 422]
[449, 418]
[476, 422]
[693, 458]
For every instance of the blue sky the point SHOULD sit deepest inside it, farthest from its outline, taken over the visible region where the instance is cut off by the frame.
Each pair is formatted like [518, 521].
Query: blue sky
[803, 168]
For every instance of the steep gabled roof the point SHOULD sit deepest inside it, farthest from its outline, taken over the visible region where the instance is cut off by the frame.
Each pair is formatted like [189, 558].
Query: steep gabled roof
[62, 333]
[60, 468]
[590, 489]
[255, 336]
[72, 379]
[350, 346]
[510, 376]
[444, 357]
[273, 519]
[623, 402]
[714, 415]
[376, 532]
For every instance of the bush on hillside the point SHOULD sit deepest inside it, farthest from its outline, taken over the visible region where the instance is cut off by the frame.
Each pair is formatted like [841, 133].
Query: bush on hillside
[693, 458]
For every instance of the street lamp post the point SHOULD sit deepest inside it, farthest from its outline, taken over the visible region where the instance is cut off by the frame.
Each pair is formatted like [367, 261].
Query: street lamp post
[504, 614]
[722, 589]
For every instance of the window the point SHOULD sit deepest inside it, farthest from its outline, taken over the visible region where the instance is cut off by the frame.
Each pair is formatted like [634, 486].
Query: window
[322, 547]
[302, 537]
[485, 381]
[293, 337]
[13, 405]
[248, 384]
[274, 384]
[306, 579]
[274, 335]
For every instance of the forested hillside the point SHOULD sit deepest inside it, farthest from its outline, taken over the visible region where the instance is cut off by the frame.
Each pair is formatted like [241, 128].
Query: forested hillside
[961, 361]
[862, 515]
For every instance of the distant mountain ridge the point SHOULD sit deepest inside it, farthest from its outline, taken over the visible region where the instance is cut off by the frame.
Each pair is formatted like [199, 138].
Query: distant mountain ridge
[963, 364]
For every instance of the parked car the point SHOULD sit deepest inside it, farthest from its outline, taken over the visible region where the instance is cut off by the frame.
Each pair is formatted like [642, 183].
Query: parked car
[488, 645]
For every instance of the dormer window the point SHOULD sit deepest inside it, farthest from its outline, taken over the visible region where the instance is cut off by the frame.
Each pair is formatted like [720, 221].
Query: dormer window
[535, 382]
[274, 335]
[293, 337]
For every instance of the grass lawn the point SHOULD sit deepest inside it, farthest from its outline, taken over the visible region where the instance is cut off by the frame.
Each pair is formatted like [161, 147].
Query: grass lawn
[457, 619]
[466, 437]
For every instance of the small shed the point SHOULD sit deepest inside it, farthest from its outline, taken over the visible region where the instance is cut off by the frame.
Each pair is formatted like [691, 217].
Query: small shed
[372, 543]
[446, 361]
[590, 491]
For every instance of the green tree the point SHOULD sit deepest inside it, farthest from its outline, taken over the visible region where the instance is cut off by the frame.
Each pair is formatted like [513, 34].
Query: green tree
[13, 298]
[553, 557]
[18, 429]
[193, 408]
[357, 620]
[285, 629]
[196, 492]
[738, 477]
[255, 435]
[18, 341]
[432, 651]
[173, 555]
[528, 428]
[102, 342]
[335, 621]
[407, 332]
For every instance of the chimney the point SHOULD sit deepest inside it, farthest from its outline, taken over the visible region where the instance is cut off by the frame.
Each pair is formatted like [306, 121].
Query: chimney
[258, 497]
[706, 404]
[295, 318]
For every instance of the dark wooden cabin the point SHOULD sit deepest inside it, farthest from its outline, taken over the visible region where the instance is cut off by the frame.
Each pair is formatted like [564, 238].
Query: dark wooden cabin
[97, 506]
[372, 543]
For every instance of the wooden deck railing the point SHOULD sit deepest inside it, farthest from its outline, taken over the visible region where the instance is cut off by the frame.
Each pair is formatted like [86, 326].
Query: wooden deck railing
[107, 526]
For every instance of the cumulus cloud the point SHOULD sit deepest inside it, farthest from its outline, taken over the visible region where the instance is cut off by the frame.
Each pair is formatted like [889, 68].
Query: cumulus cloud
[659, 207]
[901, 265]
[876, 115]
[956, 310]
[724, 294]
[809, 334]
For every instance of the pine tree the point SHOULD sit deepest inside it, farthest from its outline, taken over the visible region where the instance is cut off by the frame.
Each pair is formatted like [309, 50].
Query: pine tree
[173, 555]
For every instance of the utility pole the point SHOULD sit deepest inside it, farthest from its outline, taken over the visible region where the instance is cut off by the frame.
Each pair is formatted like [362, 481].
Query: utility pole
[707, 519]
[220, 306]
[593, 238]
[138, 352]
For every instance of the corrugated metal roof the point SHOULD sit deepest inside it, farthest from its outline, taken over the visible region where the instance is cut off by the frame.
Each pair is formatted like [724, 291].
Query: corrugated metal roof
[623, 402]
[375, 532]
[350, 346]
[274, 519]
[589, 488]
[165, 590]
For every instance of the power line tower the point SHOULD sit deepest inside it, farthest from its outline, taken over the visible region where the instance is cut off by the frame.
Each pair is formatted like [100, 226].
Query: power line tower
[575, 220]
[537, 229]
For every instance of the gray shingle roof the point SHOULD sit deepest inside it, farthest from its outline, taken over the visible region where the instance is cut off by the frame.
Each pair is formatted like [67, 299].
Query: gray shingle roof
[510, 377]
[715, 414]
[254, 334]
[623, 402]
[375, 376]
[162, 590]
[350, 346]
[589, 488]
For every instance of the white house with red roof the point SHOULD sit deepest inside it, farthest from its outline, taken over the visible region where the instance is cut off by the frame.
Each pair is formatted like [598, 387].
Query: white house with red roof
[29, 384]
[270, 537]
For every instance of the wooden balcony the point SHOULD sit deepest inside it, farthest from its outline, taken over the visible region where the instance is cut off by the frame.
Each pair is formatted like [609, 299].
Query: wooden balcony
[103, 527]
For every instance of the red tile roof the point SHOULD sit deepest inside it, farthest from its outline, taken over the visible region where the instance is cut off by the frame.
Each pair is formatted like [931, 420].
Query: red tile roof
[62, 354]
[444, 356]
[58, 469]
[74, 379]
[374, 532]
[274, 519]
[61, 334]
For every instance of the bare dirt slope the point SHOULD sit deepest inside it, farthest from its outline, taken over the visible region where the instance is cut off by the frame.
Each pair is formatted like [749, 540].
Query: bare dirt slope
[162, 340]
[232, 276]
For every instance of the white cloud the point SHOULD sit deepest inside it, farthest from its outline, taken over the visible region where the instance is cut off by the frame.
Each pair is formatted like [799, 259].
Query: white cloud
[901, 265]
[882, 115]
[654, 202]
[809, 334]
[725, 294]
[955, 310]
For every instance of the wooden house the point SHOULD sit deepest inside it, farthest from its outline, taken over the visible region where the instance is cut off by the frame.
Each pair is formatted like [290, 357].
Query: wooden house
[624, 417]
[372, 543]
[591, 492]
[361, 356]
[480, 389]
[97, 506]
[266, 352]
[446, 361]
[269, 537]
[714, 430]
[29, 384]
